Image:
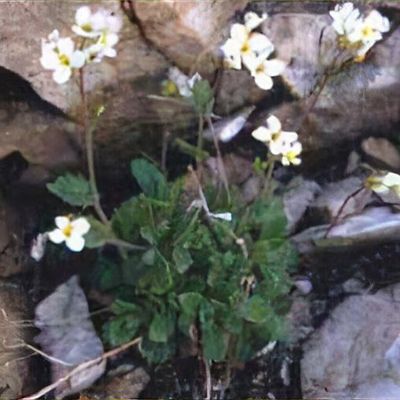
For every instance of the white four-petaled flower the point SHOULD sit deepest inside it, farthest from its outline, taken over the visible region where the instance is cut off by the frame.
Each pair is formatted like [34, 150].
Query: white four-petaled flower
[59, 55]
[70, 231]
[280, 143]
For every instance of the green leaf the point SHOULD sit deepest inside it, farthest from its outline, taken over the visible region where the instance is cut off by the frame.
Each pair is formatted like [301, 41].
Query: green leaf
[150, 179]
[182, 258]
[121, 329]
[98, 234]
[271, 218]
[255, 309]
[124, 307]
[214, 342]
[161, 327]
[73, 189]
[156, 352]
[128, 219]
[203, 97]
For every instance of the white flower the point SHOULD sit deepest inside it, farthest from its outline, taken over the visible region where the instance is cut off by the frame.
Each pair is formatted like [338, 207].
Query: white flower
[71, 232]
[345, 18]
[375, 183]
[290, 154]
[104, 47]
[92, 25]
[244, 46]
[59, 55]
[370, 29]
[262, 71]
[277, 140]
[253, 21]
[179, 82]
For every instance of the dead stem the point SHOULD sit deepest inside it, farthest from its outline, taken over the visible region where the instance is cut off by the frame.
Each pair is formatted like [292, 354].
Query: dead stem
[81, 367]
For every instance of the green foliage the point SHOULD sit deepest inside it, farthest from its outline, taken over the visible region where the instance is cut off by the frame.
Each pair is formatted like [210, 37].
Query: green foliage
[193, 275]
[73, 189]
[150, 179]
[98, 234]
[203, 97]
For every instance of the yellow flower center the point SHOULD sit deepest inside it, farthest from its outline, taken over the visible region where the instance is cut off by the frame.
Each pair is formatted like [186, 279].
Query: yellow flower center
[87, 27]
[64, 60]
[67, 231]
[373, 182]
[275, 136]
[245, 47]
[170, 88]
[367, 31]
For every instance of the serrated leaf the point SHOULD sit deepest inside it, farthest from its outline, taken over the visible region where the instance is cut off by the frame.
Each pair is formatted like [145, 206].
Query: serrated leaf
[98, 234]
[150, 179]
[203, 97]
[182, 258]
[72, 189]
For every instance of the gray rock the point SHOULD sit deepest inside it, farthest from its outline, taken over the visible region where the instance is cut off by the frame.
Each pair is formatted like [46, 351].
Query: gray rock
[67, 333]
[381, 153]
[297, 199]
[346, 356]
[335, 194]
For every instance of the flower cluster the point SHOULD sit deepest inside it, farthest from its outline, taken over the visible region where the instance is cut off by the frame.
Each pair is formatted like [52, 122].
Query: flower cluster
[355, 32]
[70, 231]
[251, 50]
[283, 144]
[99, 34]
[384, 183]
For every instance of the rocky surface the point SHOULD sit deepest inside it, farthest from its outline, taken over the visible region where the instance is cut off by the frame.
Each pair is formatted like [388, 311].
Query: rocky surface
[355, 351]
[187, 34]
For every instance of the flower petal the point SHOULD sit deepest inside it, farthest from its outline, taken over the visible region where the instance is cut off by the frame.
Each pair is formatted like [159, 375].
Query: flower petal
[253, 21]
[274, 124]
[391, 179]
[78, 59]
[82, 15]
[274, 67]
[262, 134]
[80, 226]
[62, 222]
[263, 81]
[56, 236]
[62, 74]
[239, 33]
[260, 44]
[75, 243]
[289, 137]
[66, 46]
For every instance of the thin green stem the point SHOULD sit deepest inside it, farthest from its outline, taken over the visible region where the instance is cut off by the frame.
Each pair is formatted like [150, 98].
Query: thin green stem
[89, 130]
[199, 140]
[221, 165]
[267, 190]
[123, 244]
